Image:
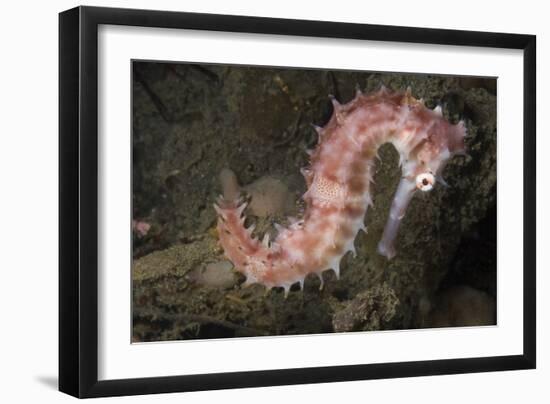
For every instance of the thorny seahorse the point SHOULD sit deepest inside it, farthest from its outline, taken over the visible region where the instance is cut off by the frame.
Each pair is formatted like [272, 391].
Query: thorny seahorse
[338, 188]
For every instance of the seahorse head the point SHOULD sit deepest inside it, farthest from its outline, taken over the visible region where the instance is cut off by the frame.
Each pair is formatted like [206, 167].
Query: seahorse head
[426, 142]
[428, 160]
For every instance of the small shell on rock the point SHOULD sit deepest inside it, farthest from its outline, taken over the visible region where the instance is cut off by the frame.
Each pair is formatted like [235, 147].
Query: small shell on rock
[269, 197]
[215, 274]
[230, 184]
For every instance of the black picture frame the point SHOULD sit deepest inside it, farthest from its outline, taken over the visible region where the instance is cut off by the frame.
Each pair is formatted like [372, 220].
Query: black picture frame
[78, 201]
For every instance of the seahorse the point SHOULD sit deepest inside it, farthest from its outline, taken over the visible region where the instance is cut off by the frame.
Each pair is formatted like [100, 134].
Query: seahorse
[338, 183]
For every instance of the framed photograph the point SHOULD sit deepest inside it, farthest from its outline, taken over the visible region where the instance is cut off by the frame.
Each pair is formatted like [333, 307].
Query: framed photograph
[252, 201]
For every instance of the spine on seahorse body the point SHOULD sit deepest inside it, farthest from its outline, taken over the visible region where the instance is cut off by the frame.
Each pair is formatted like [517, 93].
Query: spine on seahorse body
[338, 188]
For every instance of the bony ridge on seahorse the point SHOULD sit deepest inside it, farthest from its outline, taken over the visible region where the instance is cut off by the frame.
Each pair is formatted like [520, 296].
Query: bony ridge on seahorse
[338, 188]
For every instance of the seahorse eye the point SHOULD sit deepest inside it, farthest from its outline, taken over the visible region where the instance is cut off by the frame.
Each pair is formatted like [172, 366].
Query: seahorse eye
[425, 181]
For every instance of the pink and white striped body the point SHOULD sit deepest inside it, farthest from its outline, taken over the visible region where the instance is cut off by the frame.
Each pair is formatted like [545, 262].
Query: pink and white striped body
[338, 188]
